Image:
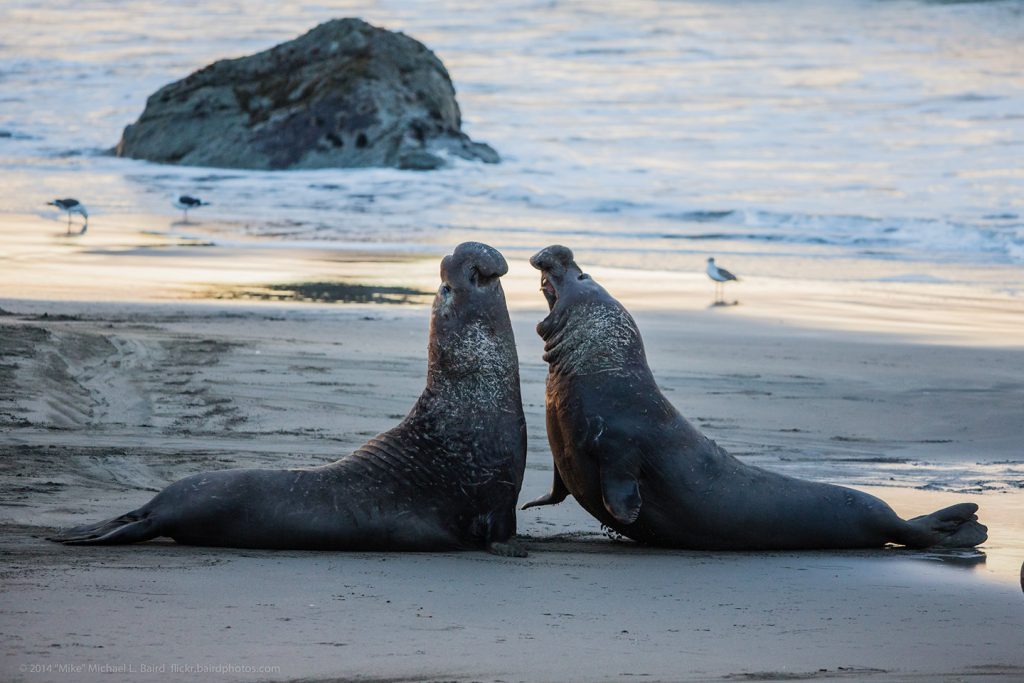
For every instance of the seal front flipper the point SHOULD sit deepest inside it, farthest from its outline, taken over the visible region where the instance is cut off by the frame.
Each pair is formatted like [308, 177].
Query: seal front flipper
[618, 466]
[620, 493]
[558, 493]
[501, 531]
[620, 490]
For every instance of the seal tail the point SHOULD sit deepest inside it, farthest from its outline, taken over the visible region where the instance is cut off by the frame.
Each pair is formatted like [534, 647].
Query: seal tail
[954, 527]
[129, 528]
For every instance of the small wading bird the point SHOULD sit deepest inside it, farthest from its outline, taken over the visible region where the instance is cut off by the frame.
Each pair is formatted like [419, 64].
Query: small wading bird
[185, 202]
[72, 206]
[720, 276]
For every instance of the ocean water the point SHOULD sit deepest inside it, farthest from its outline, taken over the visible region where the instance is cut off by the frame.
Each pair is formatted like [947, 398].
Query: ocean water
[643, 134]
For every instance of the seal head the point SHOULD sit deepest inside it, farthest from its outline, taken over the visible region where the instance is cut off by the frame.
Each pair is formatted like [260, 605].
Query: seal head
[558, 269]
[586, 329]
[470, 287]
[470, 331]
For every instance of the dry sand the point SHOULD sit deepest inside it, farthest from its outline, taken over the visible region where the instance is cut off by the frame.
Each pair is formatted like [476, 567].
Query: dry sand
[103, 404]
[914, 391]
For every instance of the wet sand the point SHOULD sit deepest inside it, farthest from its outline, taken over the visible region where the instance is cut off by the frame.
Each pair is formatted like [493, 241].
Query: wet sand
[105, 403]
[117, 261]
[129, 359]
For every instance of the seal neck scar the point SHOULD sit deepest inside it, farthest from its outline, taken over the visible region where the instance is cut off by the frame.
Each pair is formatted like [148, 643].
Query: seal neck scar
[475, 366]
[592, 337]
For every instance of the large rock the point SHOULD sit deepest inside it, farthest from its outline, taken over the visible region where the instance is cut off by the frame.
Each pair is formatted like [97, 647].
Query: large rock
[344, 94]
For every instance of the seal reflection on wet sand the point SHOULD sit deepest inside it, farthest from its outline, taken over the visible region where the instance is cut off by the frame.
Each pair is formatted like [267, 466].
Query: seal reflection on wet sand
[633, 462]
[447, 477]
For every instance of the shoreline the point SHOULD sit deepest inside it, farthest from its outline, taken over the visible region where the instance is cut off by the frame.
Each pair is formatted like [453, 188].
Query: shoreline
[120, 262]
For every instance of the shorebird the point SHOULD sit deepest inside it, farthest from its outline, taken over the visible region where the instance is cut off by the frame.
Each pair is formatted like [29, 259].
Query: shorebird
[720, 276]
[186, 202]
[72, 206]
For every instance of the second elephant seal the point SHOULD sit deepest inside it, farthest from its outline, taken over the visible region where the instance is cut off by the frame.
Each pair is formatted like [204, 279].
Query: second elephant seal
[633, 462]
[447, 477]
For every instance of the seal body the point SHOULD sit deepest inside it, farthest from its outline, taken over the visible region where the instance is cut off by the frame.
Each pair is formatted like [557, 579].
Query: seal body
[633, 462]
[447, 477]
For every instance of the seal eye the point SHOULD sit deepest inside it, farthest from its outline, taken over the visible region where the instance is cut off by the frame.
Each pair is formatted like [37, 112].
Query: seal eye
[445, 290]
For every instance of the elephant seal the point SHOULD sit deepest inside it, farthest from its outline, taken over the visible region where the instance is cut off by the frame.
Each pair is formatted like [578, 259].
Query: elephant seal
[633, 462]
[447, 477]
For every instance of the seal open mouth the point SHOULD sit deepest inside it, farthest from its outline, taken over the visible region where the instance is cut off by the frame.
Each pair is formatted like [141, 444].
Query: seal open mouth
[557, 269]
[549, 290]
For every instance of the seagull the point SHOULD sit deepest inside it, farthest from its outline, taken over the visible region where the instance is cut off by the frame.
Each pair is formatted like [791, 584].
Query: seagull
[186, 202]
[720, 276]
[72, 206]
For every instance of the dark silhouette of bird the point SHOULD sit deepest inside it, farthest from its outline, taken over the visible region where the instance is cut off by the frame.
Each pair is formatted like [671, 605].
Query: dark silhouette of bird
[72, 206]
[186, 202]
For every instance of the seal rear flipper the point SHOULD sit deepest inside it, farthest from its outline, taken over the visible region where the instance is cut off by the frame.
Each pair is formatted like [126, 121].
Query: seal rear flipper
[129, 528]
[558, 493]
[953, 527]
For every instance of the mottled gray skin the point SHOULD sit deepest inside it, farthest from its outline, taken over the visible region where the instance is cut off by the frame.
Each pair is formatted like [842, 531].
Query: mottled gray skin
[633, 462]
[447, 477]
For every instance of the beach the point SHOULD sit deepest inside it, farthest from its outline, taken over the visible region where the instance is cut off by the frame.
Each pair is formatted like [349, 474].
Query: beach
[857, 166]
[112, 399]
